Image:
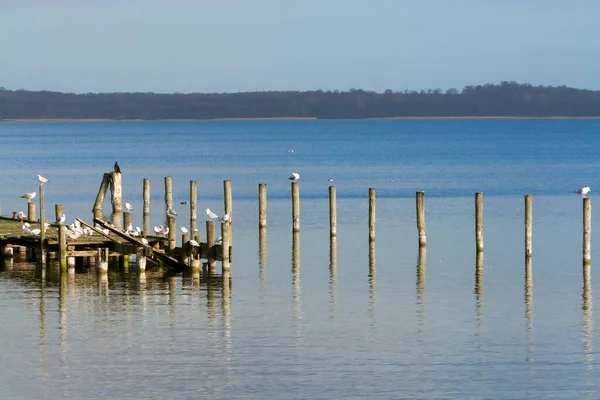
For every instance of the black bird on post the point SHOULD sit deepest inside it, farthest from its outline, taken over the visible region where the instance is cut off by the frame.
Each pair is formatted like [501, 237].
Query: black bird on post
[117, 169]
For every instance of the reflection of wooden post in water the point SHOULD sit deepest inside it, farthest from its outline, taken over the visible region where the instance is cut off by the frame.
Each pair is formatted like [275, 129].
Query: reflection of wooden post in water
[588, 322]
[31, 211]
[116, 199]
[332, 212]
[420, 198]
[479, 272]
[262, 205]
[194, 209]
[421, 267]
[295, 206]
[479, 221]
[42, 229]
[102, 259]
[372, 211]
[372, 282]
[296, 252]
[587, 233]
[140, 257]
[262, 255]
[102, 281]
[333, 271]
[372, 259]
[226, 301]
[146, 207]
[210, 241]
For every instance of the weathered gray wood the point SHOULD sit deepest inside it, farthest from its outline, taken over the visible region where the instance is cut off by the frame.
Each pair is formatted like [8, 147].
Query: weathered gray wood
[225, 244]
[479, 221]
[127, 217]
[62, 238]
[97, 210]
[43, 231]
[185, 239]
[172, 224]
[227, 197]
[587, 232]
[102, 259]
[262, 205]
[210, 242]
[31, 212]
[420, 198]
[295, 206]
[168, 197]
[146, 207]
[332, 211]
[479, 272]
[193, 208]
[140, 257]
[372, 214]
[116, 188]
[528, 226]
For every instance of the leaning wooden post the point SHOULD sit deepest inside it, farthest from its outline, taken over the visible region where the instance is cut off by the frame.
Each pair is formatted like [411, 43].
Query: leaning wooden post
[146, 209]
[225, 243]
[97, 210]
[479, 221]
[262, 205]
[172, 224]
[295, 206]
[31, 212]
[210, 244]
[193, 208]
[332, 212]
[372, 213]
[528, 228]
[42, 227]
[587, 232]
[62, 238]
[117, 200]
[421, 218]
[126, 219]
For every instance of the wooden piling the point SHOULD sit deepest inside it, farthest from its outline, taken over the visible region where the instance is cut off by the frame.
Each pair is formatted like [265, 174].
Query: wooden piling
[528, 226]
[97, 210]
[140, 256]
[227, 197]
[210, 241]
[62, 238]
[185, 239]
[372, 214]
[117, 199]
[126, 219]
[587, 232]
[479, 221]
[71, 263]
[31, 212]
[225, 243]
[262, 205]
[146, 207]
[193, 208]
[172, 224]
[102, 259]
[332, 212]
[168, 197]
[295, 206]
[420, 198]
[42, 227]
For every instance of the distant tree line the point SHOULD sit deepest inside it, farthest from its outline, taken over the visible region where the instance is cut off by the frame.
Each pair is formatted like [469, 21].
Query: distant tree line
[508, 99]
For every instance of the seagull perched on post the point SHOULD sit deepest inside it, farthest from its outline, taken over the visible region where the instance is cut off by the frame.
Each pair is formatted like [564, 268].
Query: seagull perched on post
[583, 191]
[226, 217]
[294, 177]
[42, 180]
[171, 212]
[28, 196]
[128, 207]
[211, 214]
[184, 230]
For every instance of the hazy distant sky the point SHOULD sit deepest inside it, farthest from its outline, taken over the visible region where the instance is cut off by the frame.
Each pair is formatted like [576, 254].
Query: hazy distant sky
[248, 45]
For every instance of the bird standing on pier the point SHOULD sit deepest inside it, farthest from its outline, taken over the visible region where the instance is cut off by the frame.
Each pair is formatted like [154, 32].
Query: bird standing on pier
[226, 217]
[184, 230]
[22, 216]
[128, 207]
[42, 180]
[294, 177]
[117, 168]
[583, 191]
[28, 196]
[171, 212]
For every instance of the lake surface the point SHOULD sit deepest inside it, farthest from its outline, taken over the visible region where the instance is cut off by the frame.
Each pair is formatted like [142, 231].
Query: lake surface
[290, 325]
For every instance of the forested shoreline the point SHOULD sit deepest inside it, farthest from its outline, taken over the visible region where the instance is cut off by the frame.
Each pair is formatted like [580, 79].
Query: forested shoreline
[507, 99]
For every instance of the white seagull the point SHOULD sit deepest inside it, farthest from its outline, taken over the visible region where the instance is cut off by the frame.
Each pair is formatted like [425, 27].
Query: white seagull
[211, 214]
[171, 212]
[158, 229]
[28, 196]
[145, 241]
[184, 230]
[42, 179]
[62, 219]
[583, 191]
[225, 218]
[294, 177]
[128, 207]
[194, 243]
[22, 216]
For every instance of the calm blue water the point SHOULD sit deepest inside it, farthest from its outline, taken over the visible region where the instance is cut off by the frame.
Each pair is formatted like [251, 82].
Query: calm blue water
[315, 332]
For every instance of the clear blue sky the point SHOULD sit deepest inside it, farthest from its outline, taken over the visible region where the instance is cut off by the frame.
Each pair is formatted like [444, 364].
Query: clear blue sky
[247, 45]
